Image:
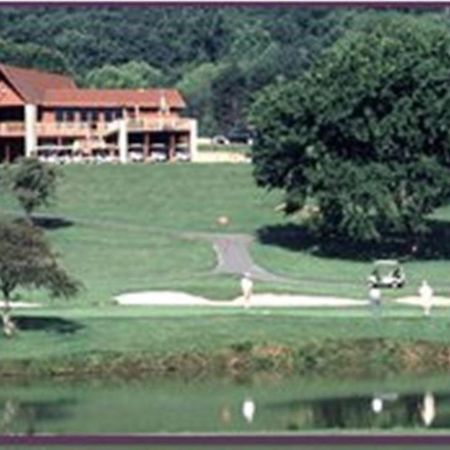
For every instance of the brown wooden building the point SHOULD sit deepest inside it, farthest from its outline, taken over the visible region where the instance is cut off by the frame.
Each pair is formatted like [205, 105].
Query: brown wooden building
[43, 113]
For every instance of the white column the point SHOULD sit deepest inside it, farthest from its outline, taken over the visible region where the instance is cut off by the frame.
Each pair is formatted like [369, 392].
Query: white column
[30, 129]
[123, 141]
[193, 139]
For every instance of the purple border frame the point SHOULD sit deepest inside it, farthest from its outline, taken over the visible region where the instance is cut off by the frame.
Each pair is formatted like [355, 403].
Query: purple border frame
[229, 439]
[227, 3]
[225, 440]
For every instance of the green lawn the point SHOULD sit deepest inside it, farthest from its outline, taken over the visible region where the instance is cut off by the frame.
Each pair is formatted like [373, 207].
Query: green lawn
[171, 197]
[350, 276]
[110, 339]
[125, 232]
[129, 225]
[168, 330]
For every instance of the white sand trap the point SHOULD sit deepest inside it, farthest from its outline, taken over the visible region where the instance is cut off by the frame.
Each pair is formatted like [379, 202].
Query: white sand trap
[417, 301]
[288, 300]
[162, 298]
[15, 305]
[166, 298]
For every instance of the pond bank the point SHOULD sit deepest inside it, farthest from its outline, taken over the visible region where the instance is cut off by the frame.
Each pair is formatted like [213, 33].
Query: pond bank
[330, 357]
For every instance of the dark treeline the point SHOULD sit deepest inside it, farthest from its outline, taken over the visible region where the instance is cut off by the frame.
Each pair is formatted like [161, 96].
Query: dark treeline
[218, 57]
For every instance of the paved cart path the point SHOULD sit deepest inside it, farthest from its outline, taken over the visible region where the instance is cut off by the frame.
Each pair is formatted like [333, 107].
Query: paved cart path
[233, 256]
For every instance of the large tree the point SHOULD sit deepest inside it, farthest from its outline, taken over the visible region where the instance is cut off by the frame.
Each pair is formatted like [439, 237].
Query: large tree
[26, 260]
[132, 75]
[33, 183]
[364, 133]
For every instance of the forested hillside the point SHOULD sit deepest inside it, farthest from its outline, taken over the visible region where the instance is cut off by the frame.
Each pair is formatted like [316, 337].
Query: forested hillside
[219, 57]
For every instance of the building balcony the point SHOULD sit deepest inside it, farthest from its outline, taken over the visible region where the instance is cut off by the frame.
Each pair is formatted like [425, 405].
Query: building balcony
[53, 129]
[12, 129]
[159, 124]
[70, 129]
[98, 129]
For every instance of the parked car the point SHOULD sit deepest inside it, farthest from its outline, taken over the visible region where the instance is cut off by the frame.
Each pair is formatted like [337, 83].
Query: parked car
[220, 140]
[159, 156]
[387, 274]
[240, 135]
[182, 156]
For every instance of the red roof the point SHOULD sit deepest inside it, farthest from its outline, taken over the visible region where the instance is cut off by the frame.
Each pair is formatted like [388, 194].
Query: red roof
[48, 89]
[32, 84]
[150, 98]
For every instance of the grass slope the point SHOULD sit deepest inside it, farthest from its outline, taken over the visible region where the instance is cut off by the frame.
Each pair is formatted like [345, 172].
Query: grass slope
[125, 231]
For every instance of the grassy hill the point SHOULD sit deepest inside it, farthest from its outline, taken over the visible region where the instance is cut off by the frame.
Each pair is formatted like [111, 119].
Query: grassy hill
[123, 228]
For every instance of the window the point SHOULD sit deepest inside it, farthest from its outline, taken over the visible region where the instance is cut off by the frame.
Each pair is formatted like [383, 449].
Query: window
[70, 115]
[84, 115]
[93, 115]
[60, 115]
[109, 116]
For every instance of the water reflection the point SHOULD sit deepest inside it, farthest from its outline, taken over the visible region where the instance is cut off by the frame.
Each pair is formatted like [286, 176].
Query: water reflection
[214, 406]
[225, 414]
[382, 411]
[21, 416]
[248, 410]
[377, 405]
[380, 399]
[428, 410]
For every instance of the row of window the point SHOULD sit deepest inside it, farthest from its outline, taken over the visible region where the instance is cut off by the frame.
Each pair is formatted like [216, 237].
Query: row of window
[87, 115]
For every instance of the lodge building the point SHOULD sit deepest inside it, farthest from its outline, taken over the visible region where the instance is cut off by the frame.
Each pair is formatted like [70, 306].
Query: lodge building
[44, 114]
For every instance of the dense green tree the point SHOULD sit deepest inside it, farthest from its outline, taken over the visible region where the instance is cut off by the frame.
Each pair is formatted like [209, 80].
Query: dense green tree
[26, 260]
[229, 88]
[33, 56]
[365, 132]
[132, 75]
[33, 183]
[95, 45]
[196, 85]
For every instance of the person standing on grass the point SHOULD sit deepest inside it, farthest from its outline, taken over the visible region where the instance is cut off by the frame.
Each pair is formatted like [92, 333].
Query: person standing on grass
[375, 299]
[426, 296]
[247, 289]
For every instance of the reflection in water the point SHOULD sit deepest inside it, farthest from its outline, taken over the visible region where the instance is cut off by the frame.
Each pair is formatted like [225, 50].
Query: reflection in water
[428, 410]
[9, 414]
[221, 406]
[377, 405]
[248, 409]
[22, 416]
[382, 411]
[379, 400]
[225, 414]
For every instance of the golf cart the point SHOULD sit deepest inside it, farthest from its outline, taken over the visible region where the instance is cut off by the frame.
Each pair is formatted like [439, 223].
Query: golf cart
[387, 274]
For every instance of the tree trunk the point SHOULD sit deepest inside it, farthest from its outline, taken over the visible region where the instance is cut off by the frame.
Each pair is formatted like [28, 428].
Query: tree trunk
[9, 328]
[29, 218]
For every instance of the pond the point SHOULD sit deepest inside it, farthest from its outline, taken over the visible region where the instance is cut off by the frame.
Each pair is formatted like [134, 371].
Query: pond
[260, 405]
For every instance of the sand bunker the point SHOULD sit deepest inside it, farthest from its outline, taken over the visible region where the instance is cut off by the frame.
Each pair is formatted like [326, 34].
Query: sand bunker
[15, 305]
[161, 298]
[167, 298]
[417, 301]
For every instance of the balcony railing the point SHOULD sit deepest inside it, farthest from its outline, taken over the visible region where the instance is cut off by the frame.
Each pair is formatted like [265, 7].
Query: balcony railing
[49, 129]
[159, 124]
[12, 128]
[67, 129]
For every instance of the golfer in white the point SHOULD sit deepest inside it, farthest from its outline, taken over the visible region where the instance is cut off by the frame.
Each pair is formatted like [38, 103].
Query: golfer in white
[426, 297]
[247, 289]
[375, 299]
